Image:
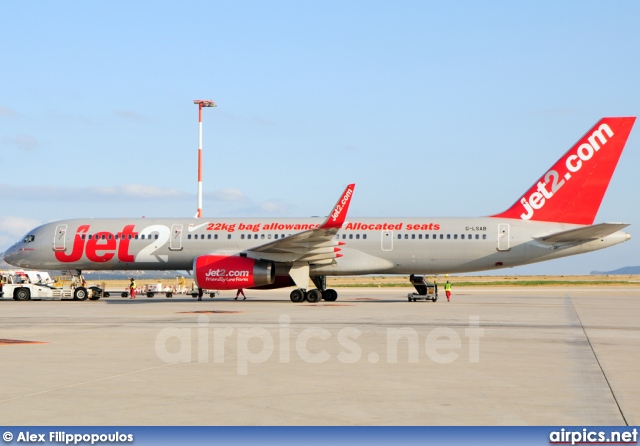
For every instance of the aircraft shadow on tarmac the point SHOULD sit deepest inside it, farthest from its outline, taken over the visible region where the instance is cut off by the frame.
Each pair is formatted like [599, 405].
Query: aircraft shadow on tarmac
[144, 300]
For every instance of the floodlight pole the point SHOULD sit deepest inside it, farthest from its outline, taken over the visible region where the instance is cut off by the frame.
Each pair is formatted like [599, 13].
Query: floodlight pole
[201, 103]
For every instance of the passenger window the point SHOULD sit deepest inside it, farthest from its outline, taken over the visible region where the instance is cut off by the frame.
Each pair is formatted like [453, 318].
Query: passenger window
[142, 236]
[262, 236]
[229, 236]
[208, 236]
[413, 236]
[269, 236]
[484, 236]
[358, 236]
[157, 237]
[448, 236]
[83, 237]
[420, 236]
[426, 236]
[189, 236]
[215, 236]
[406, 236]
[241, 236]
[276, 236]
[477, 236]
[344, 236]
[462, 236]
[441, 236]
[350, 236]
[364, 236]
[399, 236]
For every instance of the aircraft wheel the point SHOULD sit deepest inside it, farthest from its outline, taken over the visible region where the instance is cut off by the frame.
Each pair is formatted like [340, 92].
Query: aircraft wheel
[106, 294]
[212, 295]
[150, 294]
[80, 294]
[330, 295]
[314, 296]
[22, 294]
[297, 296]
[124, 295]
[169, 295]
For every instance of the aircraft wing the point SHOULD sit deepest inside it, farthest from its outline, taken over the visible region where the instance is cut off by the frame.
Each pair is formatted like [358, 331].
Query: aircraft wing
[582, 235]
[315, 245]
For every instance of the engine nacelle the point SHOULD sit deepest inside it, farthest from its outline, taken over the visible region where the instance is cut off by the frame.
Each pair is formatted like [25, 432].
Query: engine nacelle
[214, 272]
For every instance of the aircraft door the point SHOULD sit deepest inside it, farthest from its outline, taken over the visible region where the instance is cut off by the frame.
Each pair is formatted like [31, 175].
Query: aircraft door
[59, 238]
[503, 237]
[175, 243]
[387, 240]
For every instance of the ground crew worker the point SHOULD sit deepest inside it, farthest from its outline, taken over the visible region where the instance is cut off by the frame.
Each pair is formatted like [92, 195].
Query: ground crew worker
[240, 291]
[447, 290]
[132, 288]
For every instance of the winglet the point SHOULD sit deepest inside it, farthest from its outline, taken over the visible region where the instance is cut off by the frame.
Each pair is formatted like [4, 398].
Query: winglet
[572, 190]
[339, 212]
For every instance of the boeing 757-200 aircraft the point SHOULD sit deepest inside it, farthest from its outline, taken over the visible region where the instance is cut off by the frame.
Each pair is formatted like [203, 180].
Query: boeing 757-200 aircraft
[553, 219]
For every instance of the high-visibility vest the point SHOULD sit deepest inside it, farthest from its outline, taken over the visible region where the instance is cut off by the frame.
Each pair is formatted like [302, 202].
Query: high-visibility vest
[447, 287]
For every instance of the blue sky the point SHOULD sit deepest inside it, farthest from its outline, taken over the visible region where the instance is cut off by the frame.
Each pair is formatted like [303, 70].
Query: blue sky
[431, 108]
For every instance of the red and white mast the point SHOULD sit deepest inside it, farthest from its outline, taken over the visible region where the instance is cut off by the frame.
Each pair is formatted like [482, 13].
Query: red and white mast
[201, 103]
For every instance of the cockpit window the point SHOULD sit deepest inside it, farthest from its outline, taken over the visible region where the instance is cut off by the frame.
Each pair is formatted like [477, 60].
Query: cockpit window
[29, 238]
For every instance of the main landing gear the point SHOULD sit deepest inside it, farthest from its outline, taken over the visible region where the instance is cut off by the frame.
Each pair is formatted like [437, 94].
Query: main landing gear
[315, 295]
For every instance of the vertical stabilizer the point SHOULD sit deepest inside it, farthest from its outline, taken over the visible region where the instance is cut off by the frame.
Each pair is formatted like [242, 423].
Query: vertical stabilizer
[572, 190]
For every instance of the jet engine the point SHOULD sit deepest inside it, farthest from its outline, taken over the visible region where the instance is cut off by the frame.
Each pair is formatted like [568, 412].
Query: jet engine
[217, 272]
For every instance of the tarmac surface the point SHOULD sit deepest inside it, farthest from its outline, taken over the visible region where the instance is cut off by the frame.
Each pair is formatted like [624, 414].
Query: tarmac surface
[492, 356]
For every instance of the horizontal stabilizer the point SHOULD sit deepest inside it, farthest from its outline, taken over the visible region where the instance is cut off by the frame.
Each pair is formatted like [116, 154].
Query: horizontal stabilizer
[584, 234]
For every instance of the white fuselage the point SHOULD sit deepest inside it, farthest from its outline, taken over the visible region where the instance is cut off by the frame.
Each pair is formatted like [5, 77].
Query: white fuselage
[371, 245]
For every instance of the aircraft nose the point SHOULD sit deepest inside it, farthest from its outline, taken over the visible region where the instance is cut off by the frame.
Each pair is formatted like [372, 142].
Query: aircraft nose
[11, 256]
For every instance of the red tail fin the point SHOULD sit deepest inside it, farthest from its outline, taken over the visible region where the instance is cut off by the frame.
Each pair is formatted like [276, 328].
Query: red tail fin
[572, 190]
